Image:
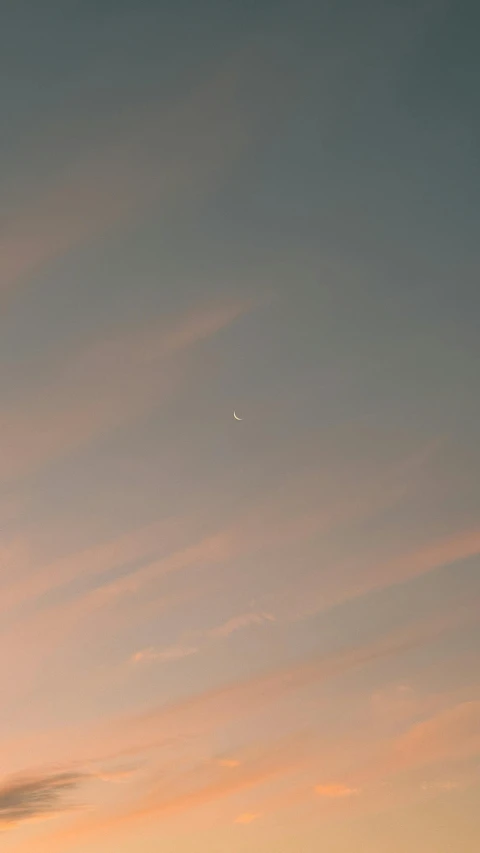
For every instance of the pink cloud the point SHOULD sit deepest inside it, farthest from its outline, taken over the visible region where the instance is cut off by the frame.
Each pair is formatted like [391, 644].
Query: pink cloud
[91, 561]
[335, 790]
[442, 552]
[237, 623]
[115, 382]
[200, 787]
[193, 143]
[453, 734]
[204, 712]
[170, 653]
[357, 577]
[247, 817]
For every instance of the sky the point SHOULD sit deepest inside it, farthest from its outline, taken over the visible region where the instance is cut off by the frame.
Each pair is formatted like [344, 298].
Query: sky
[243, 635]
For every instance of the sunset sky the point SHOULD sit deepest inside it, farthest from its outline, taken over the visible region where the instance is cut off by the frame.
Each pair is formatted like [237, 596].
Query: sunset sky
[255, 636]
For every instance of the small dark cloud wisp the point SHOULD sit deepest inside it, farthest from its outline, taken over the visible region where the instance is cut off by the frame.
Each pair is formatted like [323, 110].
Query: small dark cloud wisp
[25, 798]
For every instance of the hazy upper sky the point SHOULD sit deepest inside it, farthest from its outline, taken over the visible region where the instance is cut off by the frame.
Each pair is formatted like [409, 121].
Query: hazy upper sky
[257, 636]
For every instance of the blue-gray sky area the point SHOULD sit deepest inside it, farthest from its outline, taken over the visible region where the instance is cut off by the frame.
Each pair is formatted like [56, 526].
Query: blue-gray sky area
[257, 634]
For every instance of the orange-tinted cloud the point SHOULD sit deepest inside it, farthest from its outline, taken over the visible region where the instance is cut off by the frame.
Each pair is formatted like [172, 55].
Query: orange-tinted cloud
[91, 561]
[443, 552]
[168, 654]
[448, 738]
[117, 776]
[205, 712]
[236, 623]
[113, 383]
[208, 712]
[201, 786]
[247, 817]
[168, 157]
[200, 714]
[355, 578]
[453, 734]
[259, 528]
[335, 790]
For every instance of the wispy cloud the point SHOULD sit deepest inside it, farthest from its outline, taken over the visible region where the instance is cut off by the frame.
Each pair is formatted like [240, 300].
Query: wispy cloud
[170, 653]
[335, 790]
[200, 714]
[453, 734]
[168, 156]
[237, 623]
[247, 817]
[245, 697]
[358, 577]
[394, 703]
[270, 525]
[179, 651]
[442, 552]
[440, 785]
[25, 799]
[205, 712]
[118, 775]
[440, 743]
[112, 383]
[184, 793]
[131, 546]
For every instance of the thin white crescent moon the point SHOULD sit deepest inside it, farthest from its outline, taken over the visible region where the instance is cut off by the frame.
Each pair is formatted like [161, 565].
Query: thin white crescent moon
[236, 417]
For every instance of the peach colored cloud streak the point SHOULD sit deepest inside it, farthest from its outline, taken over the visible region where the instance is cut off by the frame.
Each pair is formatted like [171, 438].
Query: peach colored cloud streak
[194, 142]
[170, 653]
[353, 579]
[241, 538]
[180, 794]
[202, 713]
[335, 790]
[270, 524]
[237, 623]
[207, 712]
[453, 734]
[113, 383]
[247, 817]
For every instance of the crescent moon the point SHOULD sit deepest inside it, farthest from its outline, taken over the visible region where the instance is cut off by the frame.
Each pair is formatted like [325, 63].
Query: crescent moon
[236, 417]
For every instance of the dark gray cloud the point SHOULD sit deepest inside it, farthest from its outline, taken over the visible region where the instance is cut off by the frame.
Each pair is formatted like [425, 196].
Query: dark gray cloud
[23, 798]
